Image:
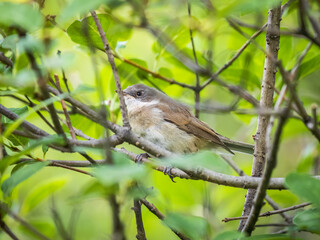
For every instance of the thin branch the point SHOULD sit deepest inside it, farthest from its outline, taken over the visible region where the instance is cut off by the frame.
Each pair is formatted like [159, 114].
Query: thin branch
[141, 235]
[269, 213]
[235, 57]
[5, 60]
[153, 74]
[31, 104]
[197, 88]
[64, 107]
[4, 227]
[159, 215]
[24, 223]
[302, 111]
[108, 51]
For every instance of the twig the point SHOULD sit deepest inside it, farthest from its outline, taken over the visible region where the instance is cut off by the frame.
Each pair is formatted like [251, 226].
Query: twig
[269, 213]
[197, 88]
[64, 234]
[266, 101]
[5, 60]
[302, 111]
[64, 107]
[31, 104]
[108, 51]
[229, 63]
[159, 215]
[7, 230]
[141, 235]
[270, 201]
[24, 223]
[153, 74]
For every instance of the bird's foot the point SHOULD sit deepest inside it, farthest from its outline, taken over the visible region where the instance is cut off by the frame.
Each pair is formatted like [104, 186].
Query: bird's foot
[139, 157]
[167, 171]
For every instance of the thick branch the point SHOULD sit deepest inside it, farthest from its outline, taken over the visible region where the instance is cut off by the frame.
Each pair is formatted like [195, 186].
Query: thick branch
[266, 101]
[271, 164]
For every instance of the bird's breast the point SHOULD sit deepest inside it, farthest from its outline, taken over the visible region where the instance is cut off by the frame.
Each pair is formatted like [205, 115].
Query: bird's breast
[149, 123]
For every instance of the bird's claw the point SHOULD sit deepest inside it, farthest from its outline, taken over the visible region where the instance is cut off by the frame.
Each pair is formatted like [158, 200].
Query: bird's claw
[167, 171]
[139, 157]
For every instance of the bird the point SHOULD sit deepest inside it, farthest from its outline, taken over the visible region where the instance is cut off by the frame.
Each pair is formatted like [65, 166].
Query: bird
[155, 116]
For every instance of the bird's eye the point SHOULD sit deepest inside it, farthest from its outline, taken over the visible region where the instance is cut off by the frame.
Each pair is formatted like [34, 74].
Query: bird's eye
[139, 93]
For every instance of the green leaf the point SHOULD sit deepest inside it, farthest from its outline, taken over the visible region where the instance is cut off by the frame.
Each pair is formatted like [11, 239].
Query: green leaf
[45, 149]
[6, 161]
[20, 175]
[79, 7]
[41, 192]
[269, 236]
[305, 186]
[229, 236]
[108, 175]
[20, 15]
[10, 42]
[86, 33]
[308, 220]
[121, 170]
[194, 227]
[202, 159]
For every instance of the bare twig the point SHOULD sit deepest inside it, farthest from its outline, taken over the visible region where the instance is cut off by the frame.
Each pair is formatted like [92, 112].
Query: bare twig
[269, 213]
[64, 107]
[141, 235]
[229, 63]
[4, 227]
[5, 60]
[302, 111]
[197, 88]
[24, 223]
[266, 101]
[108, 51]
[159, 215]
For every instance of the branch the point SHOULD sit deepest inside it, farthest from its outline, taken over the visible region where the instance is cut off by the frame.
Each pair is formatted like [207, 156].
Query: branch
[266, 101]
[269, 213]
[7, 230]
[159, 215]
[108, 51]
[229, 63]
[5, 60]
[197, 88]
[141, 235]
[200, 174]
[24, 223]
[271, 164]
[64, 107]
[308, 121]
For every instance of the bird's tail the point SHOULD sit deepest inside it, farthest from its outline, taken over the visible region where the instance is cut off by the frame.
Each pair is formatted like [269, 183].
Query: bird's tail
[238, 146]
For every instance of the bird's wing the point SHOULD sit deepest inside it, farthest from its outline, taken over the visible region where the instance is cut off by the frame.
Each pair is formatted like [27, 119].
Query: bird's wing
[184, 120]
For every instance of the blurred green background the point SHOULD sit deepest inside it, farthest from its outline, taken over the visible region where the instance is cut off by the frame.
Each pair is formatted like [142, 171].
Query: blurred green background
[80, 200]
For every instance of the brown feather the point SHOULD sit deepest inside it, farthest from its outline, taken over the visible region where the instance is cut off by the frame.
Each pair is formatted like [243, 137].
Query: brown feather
[179, 115]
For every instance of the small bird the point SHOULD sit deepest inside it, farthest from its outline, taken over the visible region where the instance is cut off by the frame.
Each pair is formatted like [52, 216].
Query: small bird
[163, 121]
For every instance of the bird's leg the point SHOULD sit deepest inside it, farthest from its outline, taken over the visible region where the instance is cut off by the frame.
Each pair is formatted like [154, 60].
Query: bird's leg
[167, 171]
[139, 157]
